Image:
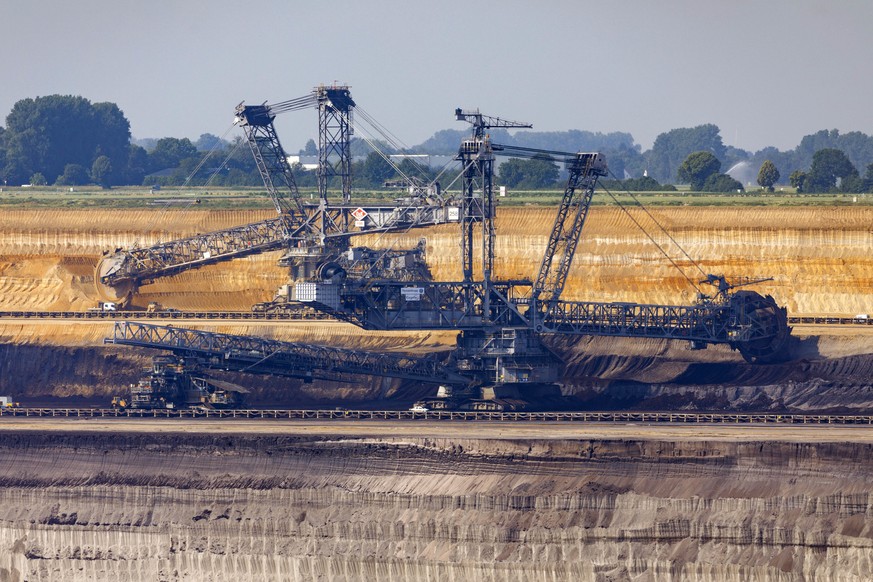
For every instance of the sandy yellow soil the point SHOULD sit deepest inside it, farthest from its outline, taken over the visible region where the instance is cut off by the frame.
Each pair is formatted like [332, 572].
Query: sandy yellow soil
[819, 258]
[461, 502]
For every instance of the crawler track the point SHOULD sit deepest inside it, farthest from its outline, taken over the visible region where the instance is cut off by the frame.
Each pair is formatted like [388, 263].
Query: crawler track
[729, 418]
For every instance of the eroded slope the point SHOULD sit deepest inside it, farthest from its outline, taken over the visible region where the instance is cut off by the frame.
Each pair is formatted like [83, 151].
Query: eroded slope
[146, 507]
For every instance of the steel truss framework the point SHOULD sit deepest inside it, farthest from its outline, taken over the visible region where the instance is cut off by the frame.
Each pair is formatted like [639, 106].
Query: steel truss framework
[299, 226]
[145, 264]
[263, 356]
[500, 323]
[335, 106]
[270, 158]
[564, 237]
[486, 310]
[387, 305]
[478, 205]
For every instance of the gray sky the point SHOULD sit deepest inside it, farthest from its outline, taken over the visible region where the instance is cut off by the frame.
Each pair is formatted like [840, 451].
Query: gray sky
[766, 72]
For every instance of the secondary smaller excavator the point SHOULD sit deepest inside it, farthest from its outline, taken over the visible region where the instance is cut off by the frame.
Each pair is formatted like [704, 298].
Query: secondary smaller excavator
[173, 382]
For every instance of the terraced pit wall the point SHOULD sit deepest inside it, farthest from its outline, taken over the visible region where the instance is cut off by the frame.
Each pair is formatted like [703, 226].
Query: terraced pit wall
[145, 507]
[257, 503]
[819, 258]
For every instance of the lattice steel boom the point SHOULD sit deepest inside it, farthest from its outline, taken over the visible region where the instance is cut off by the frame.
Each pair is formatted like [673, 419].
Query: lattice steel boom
[140, 265]
[263, 356]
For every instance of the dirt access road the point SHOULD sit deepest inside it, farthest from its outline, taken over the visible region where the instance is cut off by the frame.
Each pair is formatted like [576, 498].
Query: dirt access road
[425, 429]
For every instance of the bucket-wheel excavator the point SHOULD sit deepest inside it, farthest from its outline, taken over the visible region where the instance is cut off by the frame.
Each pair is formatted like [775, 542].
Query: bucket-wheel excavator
[315, 235]
[500, 354]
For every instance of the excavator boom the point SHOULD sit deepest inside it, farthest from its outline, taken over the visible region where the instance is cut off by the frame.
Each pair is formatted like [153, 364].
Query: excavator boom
[135, 266]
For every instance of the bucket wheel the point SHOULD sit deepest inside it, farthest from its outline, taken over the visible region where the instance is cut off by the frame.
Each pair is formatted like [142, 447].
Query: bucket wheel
[769, 335]
[117, 292]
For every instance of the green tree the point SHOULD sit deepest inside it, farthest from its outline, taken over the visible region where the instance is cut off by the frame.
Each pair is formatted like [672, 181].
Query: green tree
[376, 170]
[534, 174]
[511, 173]
[642, 184]
[646, 184]
[2, 150]
[853, 184]
[696, 168]
[419, 173]
[101, 172]
[310, 149]
[797, 179]
[47, 133]
[828, 166]
[207, 142]
[721, 183]
[868, 179]
[16, 171]
[170, 151]
[674, 146]
[857, 146]
[38, 180]
[137, 162]
[541, 172]
[112, 133]
[629, 161]
[74, 175]
[768, 175]
[239, 166]
[304, 178]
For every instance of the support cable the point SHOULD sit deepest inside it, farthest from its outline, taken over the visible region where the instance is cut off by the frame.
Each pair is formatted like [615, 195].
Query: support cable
[166, 207]
[663, 229]
[404, 232]
[225, 160]
[391, 247]
[651, 238]
[389, 137]
[304, 102]
[370, 139]
[262, 360]
[208, 155]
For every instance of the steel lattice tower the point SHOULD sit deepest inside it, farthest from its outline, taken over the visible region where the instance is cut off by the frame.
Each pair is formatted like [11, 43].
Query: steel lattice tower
[335, 107]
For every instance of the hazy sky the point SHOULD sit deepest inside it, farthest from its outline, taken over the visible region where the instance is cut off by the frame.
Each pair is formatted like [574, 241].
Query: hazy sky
[766, 72]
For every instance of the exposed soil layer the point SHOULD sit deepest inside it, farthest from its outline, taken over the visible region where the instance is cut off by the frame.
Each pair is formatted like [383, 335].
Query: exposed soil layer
[145, 507]
[819, 257]
[215, 504]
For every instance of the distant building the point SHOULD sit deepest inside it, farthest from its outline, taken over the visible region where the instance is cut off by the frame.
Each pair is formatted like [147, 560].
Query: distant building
[308, 162]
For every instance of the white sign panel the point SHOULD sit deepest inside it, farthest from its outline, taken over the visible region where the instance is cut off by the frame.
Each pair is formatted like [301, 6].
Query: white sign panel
[412, 293]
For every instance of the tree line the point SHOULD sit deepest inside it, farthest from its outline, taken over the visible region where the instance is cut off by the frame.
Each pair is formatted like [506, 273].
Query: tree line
[69, 141]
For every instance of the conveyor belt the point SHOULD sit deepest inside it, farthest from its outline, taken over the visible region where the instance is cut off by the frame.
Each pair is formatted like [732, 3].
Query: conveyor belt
[724, 418]
[311, 315]
[141, 315]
